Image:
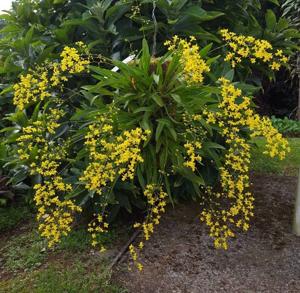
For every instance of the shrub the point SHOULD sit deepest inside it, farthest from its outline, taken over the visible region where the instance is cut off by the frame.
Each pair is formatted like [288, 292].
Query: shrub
[286, 126]
[159, 130]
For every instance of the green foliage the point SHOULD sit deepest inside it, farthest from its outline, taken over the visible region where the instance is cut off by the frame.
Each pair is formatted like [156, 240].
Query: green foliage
[24, 252]
[27, 251]
[71, 267]
[286, 126]
[11, 216]
[79, 240]
[56, 278]
[13, 185]
[35, 31]
[159, 97]
[291, 10]
[149, 94]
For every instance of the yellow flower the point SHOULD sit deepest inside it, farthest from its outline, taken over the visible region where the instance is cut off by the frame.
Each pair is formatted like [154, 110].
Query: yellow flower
[235, 114]
[194, 66]
[192, 158]
[156, 198]
[247, 47]
[39, 85]
[111, 156]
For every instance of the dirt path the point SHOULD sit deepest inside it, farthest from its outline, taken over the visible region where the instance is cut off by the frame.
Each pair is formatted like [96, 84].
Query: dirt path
[181, 258]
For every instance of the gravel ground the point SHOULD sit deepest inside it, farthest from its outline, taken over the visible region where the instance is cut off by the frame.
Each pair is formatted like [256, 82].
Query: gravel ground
[181, 258]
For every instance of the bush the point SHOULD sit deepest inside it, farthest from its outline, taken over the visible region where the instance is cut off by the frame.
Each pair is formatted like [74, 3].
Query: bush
[173, 123]
[159, 130]
[286, 126]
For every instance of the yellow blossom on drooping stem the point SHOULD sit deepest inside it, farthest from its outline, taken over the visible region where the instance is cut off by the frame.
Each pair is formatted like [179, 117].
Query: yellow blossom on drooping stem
[192, 157]
[235, 114]
[39, 85]
[156, 199]
[255, 50]
[111, 156]
[193, 65]
[97, 227]
[54, 213]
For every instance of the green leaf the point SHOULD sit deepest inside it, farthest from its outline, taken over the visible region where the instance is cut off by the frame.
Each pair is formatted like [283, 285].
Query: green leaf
[229, 75]
[176, 98]
[276, 2]
[28, 36]
[8, 89]
[270, 19]
[204, 51]
[145, 59]
[201, 15]
[163, 158]
[59, 1]
[212, 145]
[158, 100]
[156, 78]
[191, 176]
[140, 177]
[159, 130]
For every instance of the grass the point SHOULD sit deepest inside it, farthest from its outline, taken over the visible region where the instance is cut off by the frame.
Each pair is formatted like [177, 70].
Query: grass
[264, 164]
[58, 277]
[11, 216]
[25, 251]
[71, 267]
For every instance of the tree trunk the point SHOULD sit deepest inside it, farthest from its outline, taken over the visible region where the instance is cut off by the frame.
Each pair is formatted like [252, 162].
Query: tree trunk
[296, 226]
[297, 204]
[298, 72]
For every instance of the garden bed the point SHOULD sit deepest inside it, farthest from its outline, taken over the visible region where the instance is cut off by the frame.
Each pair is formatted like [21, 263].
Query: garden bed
[181, 258]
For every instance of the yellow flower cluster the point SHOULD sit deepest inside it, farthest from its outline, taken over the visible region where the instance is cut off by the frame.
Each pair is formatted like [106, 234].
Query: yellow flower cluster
[193, 158]
[156, 199]
[194, 133]
[276, 144]
[34, 146]
[71, 59]
[37, 86]
[194, 66]
[247, 47]
[31, 88]
[96, 227]
[234, 115]
[111, 156]
[134, 256]
[54, 213]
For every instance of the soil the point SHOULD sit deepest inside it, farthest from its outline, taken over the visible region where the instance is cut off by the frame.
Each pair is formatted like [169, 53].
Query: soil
[180, 256]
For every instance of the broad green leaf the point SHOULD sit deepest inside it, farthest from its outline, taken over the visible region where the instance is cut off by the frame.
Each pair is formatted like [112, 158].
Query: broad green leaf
[270, 19]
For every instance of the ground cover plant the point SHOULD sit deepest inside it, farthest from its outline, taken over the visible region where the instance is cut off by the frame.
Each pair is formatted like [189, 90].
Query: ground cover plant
[27, 265]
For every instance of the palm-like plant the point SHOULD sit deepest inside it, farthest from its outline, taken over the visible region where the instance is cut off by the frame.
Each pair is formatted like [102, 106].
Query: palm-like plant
[291, 9]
